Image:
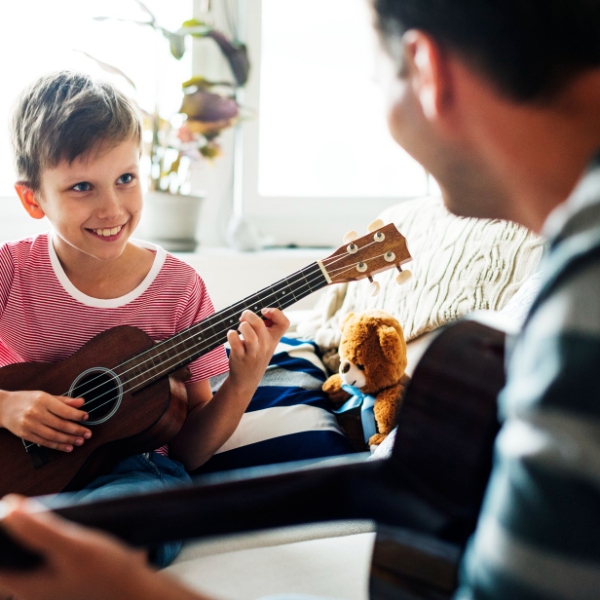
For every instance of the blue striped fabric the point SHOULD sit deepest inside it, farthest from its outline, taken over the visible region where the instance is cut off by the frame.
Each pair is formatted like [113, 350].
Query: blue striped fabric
[289, 417]
[538, 535]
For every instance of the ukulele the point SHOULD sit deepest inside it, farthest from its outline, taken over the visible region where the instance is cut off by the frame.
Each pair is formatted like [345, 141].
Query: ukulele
[134, 402]
[425, 498]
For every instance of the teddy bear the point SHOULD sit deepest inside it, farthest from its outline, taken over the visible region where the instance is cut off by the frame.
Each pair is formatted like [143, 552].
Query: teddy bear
[372, 372]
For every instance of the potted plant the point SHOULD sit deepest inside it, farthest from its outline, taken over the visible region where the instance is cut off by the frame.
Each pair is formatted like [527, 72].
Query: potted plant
[208, 107]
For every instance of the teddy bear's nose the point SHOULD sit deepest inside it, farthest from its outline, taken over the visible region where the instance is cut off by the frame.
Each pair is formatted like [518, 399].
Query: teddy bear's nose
[345, 367]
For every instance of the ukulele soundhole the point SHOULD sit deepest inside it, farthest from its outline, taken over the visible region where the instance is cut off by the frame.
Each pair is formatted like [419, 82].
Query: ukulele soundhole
[103, 392]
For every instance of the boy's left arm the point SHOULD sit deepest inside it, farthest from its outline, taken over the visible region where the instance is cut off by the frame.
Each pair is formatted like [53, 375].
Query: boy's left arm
[212, 421]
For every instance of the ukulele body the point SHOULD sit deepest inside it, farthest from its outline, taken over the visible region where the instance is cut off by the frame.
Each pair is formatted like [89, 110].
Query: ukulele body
[128, 423]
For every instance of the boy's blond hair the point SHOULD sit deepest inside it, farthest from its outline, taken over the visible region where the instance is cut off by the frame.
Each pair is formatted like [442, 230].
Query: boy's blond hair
[63, 115]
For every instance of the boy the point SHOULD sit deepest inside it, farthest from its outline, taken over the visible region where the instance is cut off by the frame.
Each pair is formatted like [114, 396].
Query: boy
[77, 148]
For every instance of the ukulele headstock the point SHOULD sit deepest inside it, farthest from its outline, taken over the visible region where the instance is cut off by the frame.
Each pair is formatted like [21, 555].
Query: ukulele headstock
[382, 248]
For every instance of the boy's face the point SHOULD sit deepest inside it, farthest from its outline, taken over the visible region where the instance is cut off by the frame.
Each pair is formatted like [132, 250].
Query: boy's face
[94, 203]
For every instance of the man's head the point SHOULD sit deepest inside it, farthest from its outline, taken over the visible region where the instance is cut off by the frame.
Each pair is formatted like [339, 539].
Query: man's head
[476, 83]
[66, 115]
[527, 48]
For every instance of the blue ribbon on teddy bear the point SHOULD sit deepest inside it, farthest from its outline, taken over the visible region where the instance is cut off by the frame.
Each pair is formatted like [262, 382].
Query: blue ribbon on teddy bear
[366, 402]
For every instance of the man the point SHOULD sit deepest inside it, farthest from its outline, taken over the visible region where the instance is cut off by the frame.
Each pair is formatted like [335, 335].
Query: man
[500, 101]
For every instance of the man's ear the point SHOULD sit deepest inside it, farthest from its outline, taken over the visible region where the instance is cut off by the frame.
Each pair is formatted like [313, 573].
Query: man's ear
[428, 70]
[28, 200]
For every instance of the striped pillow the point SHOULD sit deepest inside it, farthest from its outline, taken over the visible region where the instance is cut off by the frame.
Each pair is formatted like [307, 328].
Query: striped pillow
[289, 418]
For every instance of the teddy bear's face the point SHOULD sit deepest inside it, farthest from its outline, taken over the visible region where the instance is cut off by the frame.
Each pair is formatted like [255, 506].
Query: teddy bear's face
[353, 374]
[372, 353]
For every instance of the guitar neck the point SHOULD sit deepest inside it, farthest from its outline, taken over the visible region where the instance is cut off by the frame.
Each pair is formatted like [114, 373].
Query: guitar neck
[181, 349]
[349, 490]
[432, 483]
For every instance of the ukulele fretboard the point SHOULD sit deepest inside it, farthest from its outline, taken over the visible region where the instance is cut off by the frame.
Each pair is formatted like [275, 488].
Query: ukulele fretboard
[181, 349]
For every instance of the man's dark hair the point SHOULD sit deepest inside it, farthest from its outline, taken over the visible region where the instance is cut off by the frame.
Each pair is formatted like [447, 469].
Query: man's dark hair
[65, 114]
[528, 48]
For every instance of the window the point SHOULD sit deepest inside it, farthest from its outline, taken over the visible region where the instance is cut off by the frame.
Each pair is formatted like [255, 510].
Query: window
[318, 159]
[39, 36]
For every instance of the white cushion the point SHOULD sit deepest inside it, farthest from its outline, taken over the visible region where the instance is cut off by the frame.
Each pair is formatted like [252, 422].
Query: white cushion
[459, 266]
[337, 567]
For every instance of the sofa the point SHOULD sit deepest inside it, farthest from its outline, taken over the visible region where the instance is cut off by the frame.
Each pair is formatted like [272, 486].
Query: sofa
[460, 267]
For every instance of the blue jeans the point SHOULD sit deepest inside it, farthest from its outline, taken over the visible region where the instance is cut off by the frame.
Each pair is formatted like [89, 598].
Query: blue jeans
[138, 474]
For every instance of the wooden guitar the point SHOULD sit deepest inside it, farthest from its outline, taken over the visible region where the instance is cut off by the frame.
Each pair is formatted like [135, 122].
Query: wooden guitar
[133, 402]
[425, 497]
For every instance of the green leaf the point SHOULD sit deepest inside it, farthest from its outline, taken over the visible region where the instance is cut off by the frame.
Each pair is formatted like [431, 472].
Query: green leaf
[109, 68]
[141, 23]
[147, 11]
[195, 28]
[176, 43]
[194, 23]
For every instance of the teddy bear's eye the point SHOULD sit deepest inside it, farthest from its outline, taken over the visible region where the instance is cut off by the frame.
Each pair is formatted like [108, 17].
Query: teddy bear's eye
[360, 367]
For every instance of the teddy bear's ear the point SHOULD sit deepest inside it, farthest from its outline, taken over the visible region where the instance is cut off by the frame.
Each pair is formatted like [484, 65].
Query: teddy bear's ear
[346, 319]
[392, 343]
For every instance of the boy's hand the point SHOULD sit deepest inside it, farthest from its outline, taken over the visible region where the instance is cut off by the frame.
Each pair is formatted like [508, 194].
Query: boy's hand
[44, 419]
[252, 350]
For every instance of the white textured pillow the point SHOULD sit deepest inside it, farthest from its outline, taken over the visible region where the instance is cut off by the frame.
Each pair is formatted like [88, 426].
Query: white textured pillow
[459, 265]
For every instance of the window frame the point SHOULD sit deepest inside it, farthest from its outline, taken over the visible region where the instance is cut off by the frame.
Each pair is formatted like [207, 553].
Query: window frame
[294, 221]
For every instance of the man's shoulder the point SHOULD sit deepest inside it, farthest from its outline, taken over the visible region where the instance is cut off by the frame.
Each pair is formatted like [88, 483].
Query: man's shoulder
[553, 366]
[572, 263]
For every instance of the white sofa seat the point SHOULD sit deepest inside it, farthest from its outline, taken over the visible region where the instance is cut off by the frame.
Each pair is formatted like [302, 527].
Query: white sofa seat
[332, 560]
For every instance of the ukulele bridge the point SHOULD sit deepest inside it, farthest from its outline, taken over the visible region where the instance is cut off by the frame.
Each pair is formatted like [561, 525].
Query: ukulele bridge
[102, 390]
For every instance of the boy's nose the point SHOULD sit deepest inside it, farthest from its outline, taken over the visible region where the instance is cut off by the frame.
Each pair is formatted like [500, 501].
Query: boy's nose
[109, 204]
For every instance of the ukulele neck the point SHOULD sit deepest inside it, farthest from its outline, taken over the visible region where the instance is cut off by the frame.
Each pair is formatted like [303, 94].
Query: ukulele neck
[184, 347]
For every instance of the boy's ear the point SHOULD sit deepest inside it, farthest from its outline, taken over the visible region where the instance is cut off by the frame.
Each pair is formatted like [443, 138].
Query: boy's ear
[27, 197]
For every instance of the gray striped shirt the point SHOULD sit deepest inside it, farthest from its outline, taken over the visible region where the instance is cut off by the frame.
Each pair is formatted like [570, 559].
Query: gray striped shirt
[539, 530]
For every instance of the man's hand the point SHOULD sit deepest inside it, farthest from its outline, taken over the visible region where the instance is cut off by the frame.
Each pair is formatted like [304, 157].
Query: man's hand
[44, 419]
[80, 564]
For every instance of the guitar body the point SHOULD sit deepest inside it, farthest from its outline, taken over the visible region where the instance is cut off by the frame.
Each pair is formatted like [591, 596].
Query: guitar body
[141, 422]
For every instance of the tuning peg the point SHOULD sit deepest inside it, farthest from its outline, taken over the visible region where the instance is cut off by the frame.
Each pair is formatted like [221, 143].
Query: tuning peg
[350, 237]
[375, 225]
[403, 276]
[374, 288]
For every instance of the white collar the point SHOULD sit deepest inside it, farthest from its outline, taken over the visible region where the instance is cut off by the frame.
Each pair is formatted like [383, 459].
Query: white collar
[159, 260]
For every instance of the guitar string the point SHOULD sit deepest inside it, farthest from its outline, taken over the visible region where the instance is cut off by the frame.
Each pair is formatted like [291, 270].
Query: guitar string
[246, 301]
[328, 261]
[306, 285]
[177, 355]
[309, 280]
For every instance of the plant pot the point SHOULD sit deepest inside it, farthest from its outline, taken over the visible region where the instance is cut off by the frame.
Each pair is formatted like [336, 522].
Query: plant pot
[171, 220]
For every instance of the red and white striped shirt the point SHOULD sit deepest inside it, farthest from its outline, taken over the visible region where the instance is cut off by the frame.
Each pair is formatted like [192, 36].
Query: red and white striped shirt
[43, 317]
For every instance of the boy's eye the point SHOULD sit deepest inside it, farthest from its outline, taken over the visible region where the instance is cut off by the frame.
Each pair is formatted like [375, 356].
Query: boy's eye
[126, 178]
[84, 186]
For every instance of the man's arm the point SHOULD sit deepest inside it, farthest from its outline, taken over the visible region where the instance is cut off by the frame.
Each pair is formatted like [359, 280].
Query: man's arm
[80, 564]
[539, 531]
